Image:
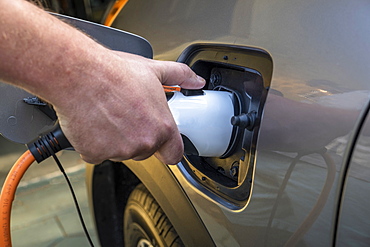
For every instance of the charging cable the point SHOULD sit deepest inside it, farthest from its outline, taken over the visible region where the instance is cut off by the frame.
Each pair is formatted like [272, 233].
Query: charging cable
[44, 147]
[8, 192]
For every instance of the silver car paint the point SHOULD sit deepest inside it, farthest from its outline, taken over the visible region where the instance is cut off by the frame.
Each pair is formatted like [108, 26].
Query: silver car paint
[354, 219]
[320, 51]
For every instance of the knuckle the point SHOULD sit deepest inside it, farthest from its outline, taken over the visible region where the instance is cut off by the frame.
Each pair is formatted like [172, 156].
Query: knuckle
[146, 145]
[141, 149]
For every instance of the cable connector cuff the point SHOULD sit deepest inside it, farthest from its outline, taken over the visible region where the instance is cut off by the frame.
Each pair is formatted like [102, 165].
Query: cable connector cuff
[49, 144]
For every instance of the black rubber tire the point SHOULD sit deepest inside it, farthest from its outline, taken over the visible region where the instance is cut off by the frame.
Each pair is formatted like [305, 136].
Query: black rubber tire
[145, 223]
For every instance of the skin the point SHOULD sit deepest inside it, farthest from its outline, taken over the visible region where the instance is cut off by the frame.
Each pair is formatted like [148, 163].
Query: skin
[105, 112]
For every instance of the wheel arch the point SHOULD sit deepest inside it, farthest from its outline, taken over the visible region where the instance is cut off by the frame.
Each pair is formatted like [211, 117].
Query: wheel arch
[111, 183]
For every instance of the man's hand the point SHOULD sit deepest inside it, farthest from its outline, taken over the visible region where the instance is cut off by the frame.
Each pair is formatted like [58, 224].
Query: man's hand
[128, 117]
[111, 105]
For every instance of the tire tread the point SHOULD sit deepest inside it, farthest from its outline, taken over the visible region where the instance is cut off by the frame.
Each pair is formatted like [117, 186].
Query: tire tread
[165, 229]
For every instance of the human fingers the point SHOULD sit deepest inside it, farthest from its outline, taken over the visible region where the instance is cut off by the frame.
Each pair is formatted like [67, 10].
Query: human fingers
[168, 72]
[173, 73]
[169, 146]
[89, 160]
[162, 138]
[171, 151]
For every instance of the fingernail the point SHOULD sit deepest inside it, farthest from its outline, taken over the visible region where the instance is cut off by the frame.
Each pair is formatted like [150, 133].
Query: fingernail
[201, 79]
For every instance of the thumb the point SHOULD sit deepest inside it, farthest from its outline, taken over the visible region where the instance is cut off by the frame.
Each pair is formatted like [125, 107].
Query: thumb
[174, 73]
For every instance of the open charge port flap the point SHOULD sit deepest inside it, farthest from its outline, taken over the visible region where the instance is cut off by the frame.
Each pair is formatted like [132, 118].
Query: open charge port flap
[228, 179]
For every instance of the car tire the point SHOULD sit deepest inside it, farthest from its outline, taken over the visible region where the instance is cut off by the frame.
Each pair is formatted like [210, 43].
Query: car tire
[145, 223]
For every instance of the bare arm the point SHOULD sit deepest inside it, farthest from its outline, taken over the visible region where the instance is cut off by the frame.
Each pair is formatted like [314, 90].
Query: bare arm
[110, 104]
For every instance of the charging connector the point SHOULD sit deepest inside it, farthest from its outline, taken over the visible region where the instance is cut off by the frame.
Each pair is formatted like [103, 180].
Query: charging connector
[49, 144]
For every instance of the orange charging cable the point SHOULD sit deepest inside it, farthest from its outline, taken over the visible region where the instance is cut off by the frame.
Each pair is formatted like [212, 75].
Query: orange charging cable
[7, 195]
[168, 89]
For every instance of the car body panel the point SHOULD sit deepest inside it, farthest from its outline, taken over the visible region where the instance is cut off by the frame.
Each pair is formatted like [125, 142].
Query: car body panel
[353, 223]
[320, 79]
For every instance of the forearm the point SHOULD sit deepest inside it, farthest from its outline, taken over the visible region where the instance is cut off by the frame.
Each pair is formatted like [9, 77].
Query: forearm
[32, 58]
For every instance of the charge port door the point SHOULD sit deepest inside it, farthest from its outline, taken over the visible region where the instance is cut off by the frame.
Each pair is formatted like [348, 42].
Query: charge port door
[246, 73]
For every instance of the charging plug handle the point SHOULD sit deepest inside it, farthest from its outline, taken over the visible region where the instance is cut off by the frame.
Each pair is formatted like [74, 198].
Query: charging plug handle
[49, 144]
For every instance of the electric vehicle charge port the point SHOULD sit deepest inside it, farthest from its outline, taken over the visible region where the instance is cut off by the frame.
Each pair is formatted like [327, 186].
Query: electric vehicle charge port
[246, 74]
